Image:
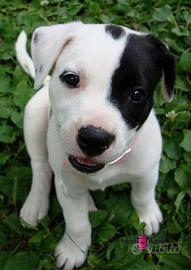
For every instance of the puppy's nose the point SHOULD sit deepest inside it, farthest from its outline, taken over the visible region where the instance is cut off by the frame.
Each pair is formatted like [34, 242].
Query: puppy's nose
[94, 141]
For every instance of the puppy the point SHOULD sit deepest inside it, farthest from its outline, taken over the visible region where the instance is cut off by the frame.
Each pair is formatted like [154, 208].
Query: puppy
[92, 123]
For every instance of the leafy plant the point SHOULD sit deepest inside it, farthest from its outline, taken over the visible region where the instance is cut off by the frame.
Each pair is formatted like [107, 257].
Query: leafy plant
[116, 220]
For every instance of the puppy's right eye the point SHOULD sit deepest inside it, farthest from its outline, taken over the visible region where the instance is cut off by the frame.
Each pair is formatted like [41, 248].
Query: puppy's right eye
[70, 78]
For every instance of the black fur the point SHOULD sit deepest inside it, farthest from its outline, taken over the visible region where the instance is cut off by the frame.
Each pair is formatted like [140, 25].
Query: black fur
[115, 31]
[142, 62]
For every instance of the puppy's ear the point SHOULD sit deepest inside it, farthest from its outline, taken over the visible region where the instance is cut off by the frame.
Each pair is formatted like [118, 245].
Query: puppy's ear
[168, 75]
[47, 43]
[167, 64]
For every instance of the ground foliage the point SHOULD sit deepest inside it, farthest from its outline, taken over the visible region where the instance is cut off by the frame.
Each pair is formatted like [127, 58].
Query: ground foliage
[112, 225]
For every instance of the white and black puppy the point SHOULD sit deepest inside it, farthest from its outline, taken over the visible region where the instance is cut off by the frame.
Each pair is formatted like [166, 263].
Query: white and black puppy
[92, 123]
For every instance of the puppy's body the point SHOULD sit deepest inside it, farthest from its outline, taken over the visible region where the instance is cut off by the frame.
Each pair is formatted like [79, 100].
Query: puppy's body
[99, 105]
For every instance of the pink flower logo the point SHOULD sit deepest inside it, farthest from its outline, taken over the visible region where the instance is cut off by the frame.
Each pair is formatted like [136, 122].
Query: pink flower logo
[142, 242]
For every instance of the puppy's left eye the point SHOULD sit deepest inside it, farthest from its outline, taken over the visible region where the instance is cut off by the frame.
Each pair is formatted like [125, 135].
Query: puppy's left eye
[70, 78]
[137, 95]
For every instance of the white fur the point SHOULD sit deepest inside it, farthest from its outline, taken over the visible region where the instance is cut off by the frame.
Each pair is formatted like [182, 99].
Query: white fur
[88, 50]
[22, 55]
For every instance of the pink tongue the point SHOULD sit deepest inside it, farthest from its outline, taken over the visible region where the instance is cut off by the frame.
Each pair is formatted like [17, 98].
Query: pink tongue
[85, 161]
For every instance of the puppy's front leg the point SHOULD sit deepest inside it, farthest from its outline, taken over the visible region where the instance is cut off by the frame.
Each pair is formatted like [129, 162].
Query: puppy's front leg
[35, 132]
[143, 199]
[72, 249]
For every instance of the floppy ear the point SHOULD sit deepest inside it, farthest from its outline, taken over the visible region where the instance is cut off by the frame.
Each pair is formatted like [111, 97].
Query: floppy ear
[46, 45]
[167, 63]
[168, 77]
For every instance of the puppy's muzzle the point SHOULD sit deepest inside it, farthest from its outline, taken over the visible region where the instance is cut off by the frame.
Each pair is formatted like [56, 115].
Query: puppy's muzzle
[93, 141]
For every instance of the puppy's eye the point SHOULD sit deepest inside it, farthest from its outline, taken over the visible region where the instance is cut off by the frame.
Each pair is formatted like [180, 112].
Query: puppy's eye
[137, 96]
[70, 78]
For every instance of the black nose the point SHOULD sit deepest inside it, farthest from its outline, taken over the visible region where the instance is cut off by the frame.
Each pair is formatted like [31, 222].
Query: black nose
[94, 141]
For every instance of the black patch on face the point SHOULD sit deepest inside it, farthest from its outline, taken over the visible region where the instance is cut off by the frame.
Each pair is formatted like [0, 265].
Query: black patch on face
[115, 31]
[140, 68]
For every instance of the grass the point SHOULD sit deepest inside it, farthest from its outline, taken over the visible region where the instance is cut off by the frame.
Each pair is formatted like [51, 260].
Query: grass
[115, 225]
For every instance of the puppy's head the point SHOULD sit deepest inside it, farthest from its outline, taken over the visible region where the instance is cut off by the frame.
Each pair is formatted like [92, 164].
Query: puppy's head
[102, 85]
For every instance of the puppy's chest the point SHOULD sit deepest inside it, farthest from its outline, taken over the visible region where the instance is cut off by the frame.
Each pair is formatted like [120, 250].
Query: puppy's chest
[111, 176]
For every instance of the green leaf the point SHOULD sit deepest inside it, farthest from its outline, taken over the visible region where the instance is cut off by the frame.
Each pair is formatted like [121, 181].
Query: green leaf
[185, 61]
[173, 226]
[120, 208]
[167, 164]
[186, 143]
[17, 118]
[5, 186]
[175, 261]
[7, 134]
[172, 149]
[173, 191]
[13, 222]
[187, 17]
[187, 157]
[5, 107]
[93, 261]
[37, 237]
[134, 221]
[183, 119]
[106, 232]
[185, 246]
[21, 94]
[183, 177]
[140, 265]
[179, 199]
[4, 157]
[98, 217]
[4, 83]
[177, 31]
[117, 250]
[162, 14]
[182, 84]
[22, 260]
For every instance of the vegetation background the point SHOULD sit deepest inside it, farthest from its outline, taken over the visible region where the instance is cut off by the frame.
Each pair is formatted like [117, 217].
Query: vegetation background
[116, 221]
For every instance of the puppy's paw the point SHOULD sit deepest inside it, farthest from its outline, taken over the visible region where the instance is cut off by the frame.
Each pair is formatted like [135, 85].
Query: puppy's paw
[68, 254]
[152, 217]
[34, 209]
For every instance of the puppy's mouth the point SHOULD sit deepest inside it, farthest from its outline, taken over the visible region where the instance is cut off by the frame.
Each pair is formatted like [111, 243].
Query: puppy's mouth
[85, 165]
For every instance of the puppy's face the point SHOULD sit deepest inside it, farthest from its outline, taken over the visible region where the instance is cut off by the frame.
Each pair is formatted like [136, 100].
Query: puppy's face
[102, 87]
